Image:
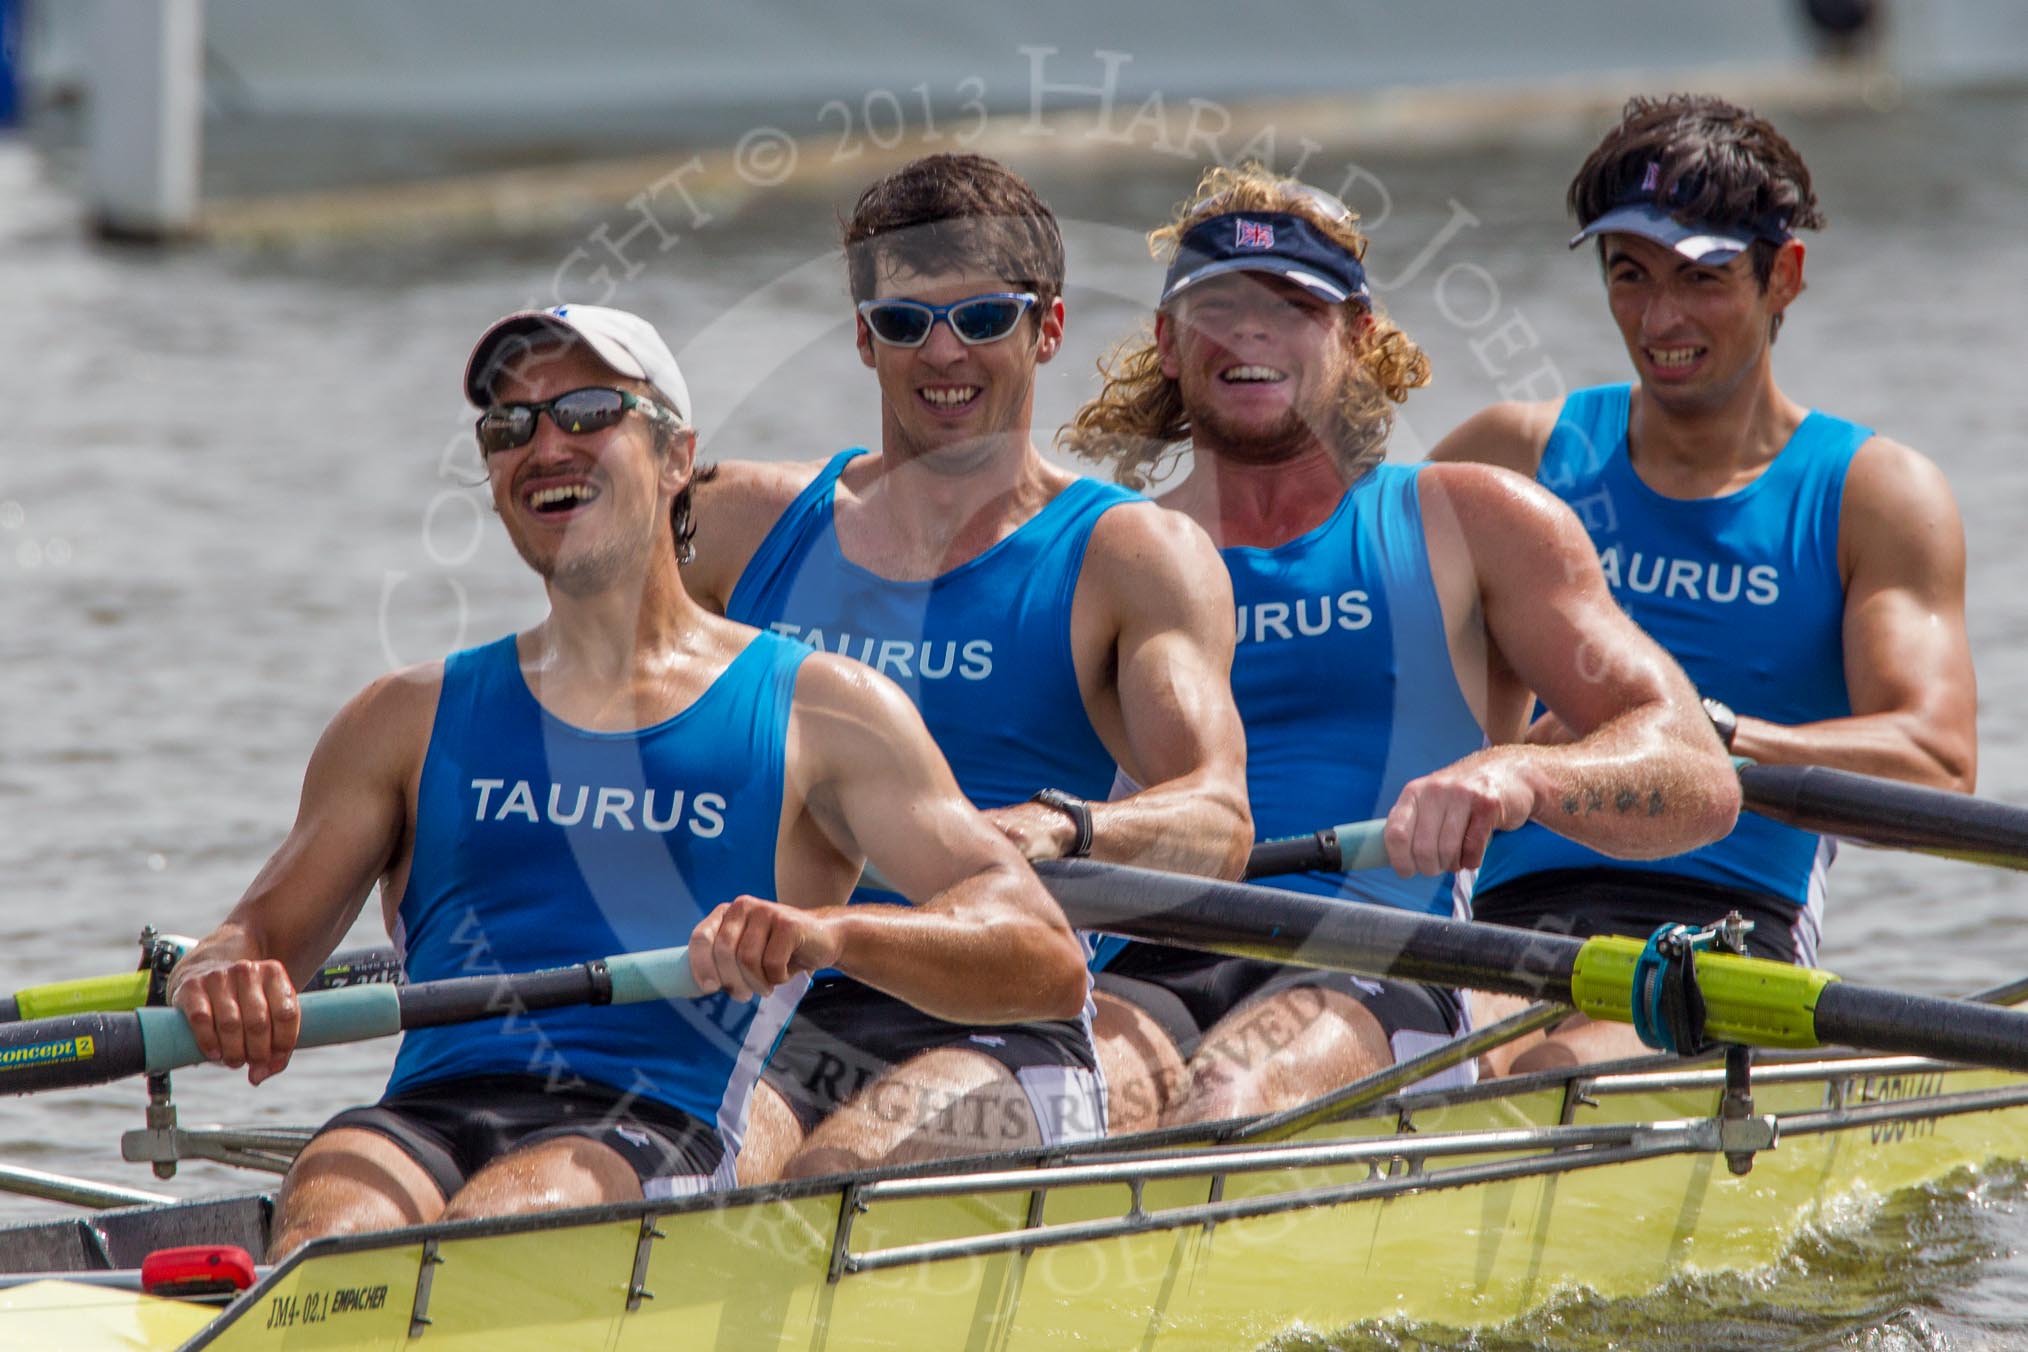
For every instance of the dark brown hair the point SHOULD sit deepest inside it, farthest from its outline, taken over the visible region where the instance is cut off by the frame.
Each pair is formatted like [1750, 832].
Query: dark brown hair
[1715, 163]
[945, 213]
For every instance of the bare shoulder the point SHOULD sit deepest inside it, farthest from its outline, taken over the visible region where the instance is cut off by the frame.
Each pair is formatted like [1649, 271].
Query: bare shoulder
[1885, 473]
[1899, 512]
[734, 504]
[758, 485]
[401, 698]
[846, 709]
[1492, 500]
[385, 728]
[1511, 435]
[1146, 539]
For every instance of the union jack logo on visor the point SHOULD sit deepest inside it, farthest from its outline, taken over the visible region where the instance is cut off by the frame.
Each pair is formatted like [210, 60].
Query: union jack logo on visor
[1254, 235]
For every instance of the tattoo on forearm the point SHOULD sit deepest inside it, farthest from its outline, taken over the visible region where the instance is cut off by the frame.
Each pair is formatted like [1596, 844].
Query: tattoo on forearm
[1588, 800]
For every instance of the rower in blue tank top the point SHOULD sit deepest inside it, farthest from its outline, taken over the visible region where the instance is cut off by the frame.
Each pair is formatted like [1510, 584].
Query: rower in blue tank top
[1055, 632]
[1388, 618]
[982, 650]
[631, 773]
[1353, 598]
[1744, 590]
[1807, 573]
[540, 843]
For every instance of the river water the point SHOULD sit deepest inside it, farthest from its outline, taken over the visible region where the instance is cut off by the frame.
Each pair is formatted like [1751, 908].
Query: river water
[235, 485]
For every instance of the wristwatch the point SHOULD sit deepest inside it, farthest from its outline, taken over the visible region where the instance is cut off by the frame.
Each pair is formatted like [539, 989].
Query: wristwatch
[1077, 810]
[1723, 720]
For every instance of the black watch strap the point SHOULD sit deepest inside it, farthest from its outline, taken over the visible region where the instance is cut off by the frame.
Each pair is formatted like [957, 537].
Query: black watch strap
[1077, 810]
[1723, 720]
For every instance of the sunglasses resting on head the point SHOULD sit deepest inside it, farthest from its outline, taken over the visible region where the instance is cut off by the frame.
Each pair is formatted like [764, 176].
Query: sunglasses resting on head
[975, 319]
[594, 408]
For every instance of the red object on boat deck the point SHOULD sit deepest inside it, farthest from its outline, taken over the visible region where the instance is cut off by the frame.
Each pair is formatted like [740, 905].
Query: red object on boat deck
[197, 1270]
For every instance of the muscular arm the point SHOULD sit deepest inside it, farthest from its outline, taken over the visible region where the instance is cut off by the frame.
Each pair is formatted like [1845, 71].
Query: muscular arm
[983, 943]
[1908, 663]
[1154, 582]
[1644, 776]
[237, 986]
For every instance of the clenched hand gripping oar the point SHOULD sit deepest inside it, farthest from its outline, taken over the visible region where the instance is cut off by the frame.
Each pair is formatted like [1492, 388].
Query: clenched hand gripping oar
[1863, 808]
[129, 990]
[96, 1048]
[1747, 1001]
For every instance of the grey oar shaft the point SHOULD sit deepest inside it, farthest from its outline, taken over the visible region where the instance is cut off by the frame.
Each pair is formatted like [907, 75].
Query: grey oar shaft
[73, 1191]
[1265, 922]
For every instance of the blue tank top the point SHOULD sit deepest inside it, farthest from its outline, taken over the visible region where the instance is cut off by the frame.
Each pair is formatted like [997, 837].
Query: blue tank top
[1743, 590]
[982, 650]
[1344, 680]
[538, 844]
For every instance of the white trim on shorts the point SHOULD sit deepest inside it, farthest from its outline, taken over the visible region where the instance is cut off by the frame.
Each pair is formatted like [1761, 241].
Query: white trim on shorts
[1069, 1102]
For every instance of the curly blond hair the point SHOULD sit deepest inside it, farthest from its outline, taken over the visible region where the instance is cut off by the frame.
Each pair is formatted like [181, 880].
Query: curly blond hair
[1137, 421]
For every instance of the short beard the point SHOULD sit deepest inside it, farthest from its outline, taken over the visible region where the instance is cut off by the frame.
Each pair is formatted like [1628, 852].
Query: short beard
[1290, 436]
[584, 572]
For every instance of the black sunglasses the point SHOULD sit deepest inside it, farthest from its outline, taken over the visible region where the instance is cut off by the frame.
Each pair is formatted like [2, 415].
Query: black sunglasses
[591, 409]
[975, 319]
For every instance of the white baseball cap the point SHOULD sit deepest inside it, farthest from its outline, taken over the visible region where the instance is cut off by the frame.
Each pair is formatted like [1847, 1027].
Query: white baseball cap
[626, 342]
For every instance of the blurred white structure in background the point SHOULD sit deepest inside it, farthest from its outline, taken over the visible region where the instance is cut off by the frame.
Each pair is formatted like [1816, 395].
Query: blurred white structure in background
[536, 74]
[146, 117]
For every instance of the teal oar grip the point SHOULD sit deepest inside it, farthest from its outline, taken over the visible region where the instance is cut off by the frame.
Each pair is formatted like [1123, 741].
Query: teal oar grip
[166, 1040]
[659, 974]
[349, 1015]
[1346, 849]
[1362, 844]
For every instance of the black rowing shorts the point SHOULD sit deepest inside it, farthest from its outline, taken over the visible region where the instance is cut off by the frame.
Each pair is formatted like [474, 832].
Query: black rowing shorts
[1187, 992]
[1582, 902]
[845, 1035]
[454, 1128]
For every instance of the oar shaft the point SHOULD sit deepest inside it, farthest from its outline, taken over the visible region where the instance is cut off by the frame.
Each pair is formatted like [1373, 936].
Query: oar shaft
[1748, 1000]
[1921, 1025]
[1262, 922]
[1886, 813]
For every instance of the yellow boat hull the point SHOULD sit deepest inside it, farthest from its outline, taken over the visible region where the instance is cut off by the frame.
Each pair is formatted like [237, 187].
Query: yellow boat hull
[1163, 1248]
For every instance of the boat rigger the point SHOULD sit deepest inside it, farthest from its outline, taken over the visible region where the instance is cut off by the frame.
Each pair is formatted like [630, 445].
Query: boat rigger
[1464, 1208]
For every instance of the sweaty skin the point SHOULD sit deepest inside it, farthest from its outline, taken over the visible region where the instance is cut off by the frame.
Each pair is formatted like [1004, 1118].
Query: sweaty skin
[624, 648]
[1151, 632]
[1707, 419]
[1258, 362]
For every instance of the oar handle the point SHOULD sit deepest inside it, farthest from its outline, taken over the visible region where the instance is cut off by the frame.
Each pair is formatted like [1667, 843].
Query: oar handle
[1336, 849]
[85, 1049]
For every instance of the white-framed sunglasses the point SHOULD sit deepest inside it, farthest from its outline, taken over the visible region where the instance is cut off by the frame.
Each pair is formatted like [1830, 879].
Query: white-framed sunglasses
[975, 319]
